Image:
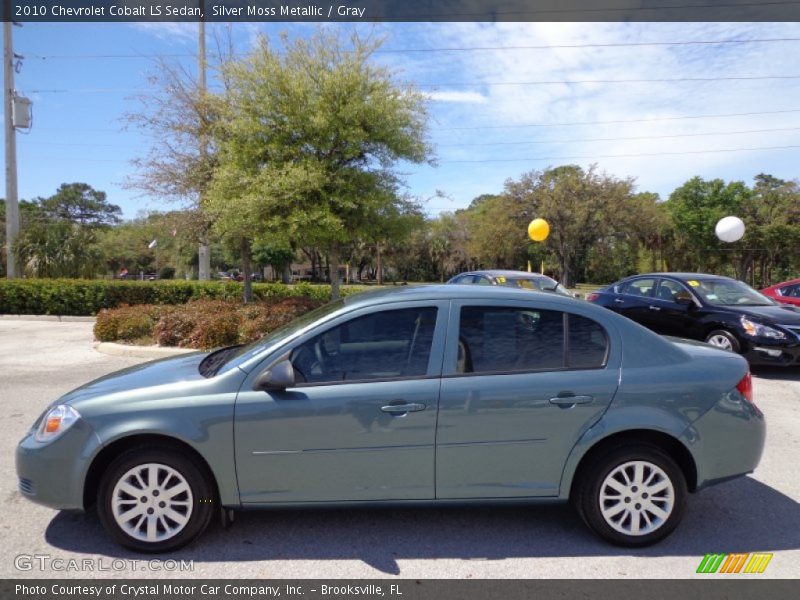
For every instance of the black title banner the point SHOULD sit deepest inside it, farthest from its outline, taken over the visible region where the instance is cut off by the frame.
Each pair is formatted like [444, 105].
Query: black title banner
[399, 10]
[394, 589]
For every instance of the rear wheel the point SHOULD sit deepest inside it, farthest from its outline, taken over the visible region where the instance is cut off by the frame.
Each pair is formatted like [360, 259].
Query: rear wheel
[724, 340]
[632, 496]
[155, 500]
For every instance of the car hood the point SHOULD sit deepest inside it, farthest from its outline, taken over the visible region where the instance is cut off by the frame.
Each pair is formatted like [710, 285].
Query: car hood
[160, 372]
[781, 314]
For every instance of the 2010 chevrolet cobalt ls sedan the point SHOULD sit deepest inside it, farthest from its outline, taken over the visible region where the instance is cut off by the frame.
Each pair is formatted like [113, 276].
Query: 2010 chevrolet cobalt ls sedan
[428, 395]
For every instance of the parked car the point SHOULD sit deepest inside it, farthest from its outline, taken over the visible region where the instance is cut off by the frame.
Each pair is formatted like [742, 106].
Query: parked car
[518, 279]
[430, 395]
[718, 310]
[787, 292]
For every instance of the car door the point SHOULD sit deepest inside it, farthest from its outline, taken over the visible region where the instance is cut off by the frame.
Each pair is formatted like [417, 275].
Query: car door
[360, 422]
[521, 383]
[634, 300]
[667, 316]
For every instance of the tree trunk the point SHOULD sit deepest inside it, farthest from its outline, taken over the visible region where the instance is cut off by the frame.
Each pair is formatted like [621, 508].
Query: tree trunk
[286, 274]
[247, 270]
[380, 265]
[333, 269]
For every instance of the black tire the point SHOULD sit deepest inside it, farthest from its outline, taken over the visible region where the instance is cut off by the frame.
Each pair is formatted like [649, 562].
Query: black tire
[721, 333]
[201, 498]
[586, 496]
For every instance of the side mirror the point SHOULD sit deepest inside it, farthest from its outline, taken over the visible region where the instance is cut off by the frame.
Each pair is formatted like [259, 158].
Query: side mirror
[279, 377]
[684, 298]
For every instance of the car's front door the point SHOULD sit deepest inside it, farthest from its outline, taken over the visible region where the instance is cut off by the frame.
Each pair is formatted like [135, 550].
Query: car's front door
[668, 316]
[359, 424]
[521, 383]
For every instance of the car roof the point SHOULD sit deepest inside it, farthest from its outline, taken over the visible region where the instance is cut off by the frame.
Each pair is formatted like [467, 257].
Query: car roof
[679, 276]
[449, 292]
[505, 273]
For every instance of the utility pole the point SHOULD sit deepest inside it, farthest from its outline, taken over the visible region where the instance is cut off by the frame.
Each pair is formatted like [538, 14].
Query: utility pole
[204, 251]
[12, 203]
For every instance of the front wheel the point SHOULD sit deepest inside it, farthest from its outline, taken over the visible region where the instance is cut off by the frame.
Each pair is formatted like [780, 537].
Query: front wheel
[724, 340]
[155, 500]
[632, 496]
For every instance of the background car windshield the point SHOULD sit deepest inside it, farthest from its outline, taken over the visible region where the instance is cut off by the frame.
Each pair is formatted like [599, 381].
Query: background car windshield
[722, 292]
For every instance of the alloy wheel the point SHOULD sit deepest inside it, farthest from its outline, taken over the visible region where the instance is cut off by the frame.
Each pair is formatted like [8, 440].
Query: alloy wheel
[636, 498]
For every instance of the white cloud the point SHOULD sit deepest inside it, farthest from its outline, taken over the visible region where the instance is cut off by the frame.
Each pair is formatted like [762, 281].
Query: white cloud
[458, 97]
[508, 110]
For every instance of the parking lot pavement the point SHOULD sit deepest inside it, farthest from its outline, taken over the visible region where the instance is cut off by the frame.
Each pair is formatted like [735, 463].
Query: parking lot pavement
[41, 360]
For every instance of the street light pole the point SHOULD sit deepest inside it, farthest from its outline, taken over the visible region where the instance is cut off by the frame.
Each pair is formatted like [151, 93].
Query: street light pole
[12, 203]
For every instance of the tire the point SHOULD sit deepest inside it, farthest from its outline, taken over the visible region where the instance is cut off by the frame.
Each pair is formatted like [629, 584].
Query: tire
[660, 500]
[725, 340]
[161, 522]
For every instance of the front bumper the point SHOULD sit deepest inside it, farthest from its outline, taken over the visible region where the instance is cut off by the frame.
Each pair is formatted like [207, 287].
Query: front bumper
[727, 441]
[53, 473]
[781, 353]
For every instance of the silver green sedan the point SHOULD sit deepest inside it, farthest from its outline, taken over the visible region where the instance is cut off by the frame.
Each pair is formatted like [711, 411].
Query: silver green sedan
[421, 396]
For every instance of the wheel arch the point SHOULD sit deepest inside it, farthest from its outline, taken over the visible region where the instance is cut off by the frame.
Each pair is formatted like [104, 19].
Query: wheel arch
[108, 453]
[664, 441]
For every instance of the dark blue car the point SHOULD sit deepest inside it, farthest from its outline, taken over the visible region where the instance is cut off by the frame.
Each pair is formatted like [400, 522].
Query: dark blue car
[718, 310]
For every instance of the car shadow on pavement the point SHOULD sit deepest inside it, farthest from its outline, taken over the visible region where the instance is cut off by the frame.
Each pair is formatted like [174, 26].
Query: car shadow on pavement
[740, 516]
[777, 373]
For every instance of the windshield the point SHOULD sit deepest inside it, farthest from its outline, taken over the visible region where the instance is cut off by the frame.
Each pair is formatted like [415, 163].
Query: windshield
[542, 284]
[240, 354]
[725, 292]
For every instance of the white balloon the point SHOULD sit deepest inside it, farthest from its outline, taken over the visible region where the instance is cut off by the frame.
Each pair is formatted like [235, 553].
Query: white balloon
[730, 229]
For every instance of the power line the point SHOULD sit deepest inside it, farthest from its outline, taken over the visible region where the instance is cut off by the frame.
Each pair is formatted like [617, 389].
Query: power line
[617, 121]
[455, 48]
[590, 81]
[615, 139]
[486, 83]
[635, 155]
[502, 160]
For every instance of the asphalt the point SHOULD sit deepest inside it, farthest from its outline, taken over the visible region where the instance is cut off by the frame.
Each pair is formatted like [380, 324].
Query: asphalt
[40, 360]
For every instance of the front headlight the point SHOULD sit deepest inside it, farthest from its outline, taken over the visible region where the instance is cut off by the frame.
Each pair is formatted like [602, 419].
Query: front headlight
[55, 422]
[758, 330]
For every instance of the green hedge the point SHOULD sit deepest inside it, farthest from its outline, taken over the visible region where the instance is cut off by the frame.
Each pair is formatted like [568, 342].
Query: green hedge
[81, 297]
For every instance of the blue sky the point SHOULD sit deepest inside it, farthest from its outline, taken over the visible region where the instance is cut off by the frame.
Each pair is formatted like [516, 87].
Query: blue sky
[485, 126]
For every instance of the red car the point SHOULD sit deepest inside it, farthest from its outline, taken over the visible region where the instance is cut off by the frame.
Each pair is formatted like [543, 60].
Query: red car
[787, 292]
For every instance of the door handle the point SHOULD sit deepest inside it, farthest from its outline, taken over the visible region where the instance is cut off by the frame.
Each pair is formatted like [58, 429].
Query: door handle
[619, 300]
[571, 400]
[401, 409]
[656, 308]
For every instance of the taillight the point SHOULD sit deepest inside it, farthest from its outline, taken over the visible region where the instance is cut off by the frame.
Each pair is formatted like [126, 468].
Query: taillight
[591, 296]
[745, 387]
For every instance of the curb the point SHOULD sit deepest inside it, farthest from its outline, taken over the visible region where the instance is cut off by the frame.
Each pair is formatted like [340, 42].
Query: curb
[65, 319]
[114, 349]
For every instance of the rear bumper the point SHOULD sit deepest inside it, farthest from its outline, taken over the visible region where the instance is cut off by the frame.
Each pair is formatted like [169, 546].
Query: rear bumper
[727, 441]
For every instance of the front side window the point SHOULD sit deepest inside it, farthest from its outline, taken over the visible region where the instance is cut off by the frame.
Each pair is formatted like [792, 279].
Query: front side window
[383, 345]
[668, 290]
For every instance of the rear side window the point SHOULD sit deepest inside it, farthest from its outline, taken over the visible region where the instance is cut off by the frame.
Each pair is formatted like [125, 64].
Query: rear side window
[505, 339]
[640, 287]
[502, 339]
[588, 344]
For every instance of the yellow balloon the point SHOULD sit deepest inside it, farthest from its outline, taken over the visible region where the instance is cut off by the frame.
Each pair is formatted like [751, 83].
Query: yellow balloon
[538, 230]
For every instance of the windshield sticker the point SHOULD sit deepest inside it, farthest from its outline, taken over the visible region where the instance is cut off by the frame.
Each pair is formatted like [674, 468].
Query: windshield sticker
[693, 283]
[711, 296]
[501, 279]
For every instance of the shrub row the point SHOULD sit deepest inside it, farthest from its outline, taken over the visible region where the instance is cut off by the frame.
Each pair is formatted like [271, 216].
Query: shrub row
[88, 296]
[200, 324]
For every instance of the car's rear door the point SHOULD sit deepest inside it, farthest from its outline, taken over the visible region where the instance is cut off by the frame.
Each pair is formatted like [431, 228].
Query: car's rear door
[522, 381]
[360, 423]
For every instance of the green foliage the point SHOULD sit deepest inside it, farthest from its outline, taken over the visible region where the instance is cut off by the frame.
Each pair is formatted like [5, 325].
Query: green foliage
[200, 324]
[308, 142]
[88, 297]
